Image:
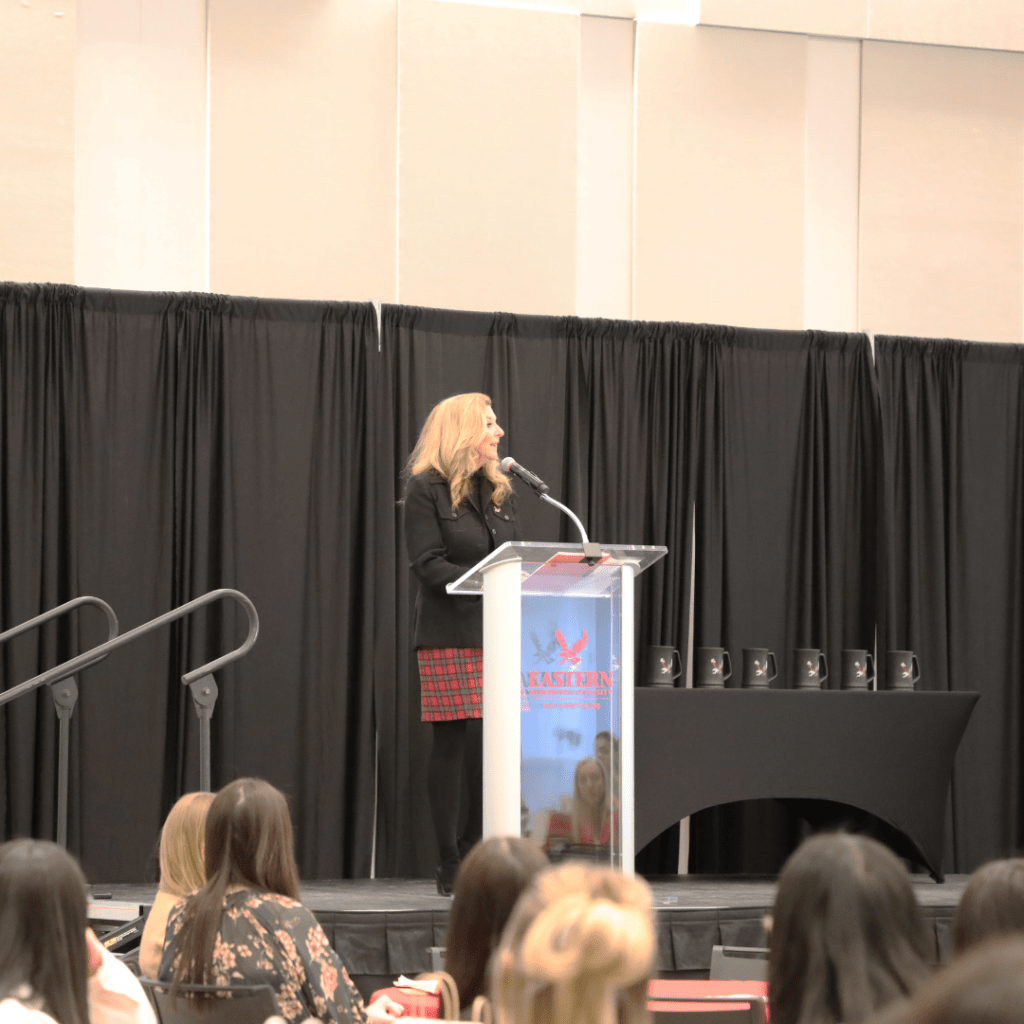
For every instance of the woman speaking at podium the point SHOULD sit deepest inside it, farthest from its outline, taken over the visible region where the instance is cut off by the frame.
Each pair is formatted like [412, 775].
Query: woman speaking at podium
[459, 507]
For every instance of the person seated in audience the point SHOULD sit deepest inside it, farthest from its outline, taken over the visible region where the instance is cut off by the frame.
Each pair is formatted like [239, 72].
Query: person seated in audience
[589, 823]
[606, 750]
[246, 924]
[182, 872]
[52, 966]
[579, 948]
[984, 985]
[992, 903]
[847, 934]
[487, 886]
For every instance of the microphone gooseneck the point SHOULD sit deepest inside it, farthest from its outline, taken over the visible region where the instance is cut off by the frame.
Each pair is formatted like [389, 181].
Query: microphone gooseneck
[509, 465]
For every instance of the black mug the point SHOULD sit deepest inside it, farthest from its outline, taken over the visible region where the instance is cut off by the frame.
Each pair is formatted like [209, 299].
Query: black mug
[858, 670]
[755, 667]
[711, 667]
[663, 666]
[810, 669]
[904, 670]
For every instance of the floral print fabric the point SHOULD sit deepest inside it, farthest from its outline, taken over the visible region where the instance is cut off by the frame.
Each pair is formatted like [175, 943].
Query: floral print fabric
[265, 938]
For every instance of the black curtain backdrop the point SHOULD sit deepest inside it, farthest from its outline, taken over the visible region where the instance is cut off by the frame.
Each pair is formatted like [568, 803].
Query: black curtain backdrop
[785, 531]
[953, 431]
[599, 410]
[153, 447]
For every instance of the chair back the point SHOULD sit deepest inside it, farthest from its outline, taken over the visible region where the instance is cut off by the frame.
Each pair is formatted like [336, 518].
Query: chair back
[737, 1009]
[232, 1004]
[739, 963]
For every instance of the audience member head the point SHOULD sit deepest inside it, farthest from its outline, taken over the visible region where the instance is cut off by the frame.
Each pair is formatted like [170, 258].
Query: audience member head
[985, 985]
[249, 839]
[182, 842]
[579, 947]
[992, 903]
[249, 843]
[488, 884]
[590, 800]
[847, 936]
[603, 748]
[42, 928]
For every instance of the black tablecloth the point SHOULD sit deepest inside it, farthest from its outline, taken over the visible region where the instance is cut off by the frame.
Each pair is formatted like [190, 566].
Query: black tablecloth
[887, 753]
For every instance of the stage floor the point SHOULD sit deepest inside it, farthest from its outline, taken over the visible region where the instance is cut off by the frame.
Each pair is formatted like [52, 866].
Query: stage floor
[384, 927]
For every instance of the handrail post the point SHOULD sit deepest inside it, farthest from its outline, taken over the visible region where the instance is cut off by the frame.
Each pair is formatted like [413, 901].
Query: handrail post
[204, 697]
[64, 696]
[64, 699]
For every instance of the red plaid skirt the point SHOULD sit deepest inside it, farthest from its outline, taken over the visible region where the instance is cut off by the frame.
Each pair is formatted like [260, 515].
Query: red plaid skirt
[451, 683]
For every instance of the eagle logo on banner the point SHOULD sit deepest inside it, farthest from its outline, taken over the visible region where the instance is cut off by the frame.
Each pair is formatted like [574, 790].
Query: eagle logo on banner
[570, 655]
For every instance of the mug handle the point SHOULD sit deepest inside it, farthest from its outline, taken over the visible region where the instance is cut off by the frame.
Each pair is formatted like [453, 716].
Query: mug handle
[871, 668]
[915, 669]
[679, 661]
[775, 667]
[728, 666]
[822, 667]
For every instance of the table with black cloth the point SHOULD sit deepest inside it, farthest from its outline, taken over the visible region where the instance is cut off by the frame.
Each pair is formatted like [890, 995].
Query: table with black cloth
[888, 753]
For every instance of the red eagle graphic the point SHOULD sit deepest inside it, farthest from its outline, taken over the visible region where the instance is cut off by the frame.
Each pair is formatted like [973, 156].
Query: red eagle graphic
[570, 654]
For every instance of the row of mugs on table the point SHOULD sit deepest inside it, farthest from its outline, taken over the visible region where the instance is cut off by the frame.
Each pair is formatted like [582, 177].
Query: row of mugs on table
[712, 666]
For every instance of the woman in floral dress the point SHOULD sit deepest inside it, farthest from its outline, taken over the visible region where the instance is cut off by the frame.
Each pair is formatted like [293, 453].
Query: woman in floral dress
[246, 925]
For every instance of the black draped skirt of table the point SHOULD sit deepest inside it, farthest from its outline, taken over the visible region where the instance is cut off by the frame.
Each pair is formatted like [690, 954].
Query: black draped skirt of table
[887, 753]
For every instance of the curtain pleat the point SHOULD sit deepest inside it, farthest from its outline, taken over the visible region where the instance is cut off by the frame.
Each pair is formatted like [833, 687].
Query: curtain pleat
[953, 527]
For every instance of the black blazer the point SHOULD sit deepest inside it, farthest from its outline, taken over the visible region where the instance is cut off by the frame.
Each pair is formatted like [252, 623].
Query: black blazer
[443, 542]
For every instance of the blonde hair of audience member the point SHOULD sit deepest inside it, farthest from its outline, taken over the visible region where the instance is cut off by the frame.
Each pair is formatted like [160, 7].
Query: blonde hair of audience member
[985, 985]
[182, 865]
[591, 803]
[579, 948]
[992, 903]
[182, 871]
[847, 934]
[448, 444]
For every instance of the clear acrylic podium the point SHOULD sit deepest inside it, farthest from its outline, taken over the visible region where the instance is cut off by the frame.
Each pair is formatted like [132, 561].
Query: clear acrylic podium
[558, 695]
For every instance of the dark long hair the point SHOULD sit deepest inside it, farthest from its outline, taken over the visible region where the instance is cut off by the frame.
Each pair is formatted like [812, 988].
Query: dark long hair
[42, 927]
[847, 937]
[249, 843]
[489, 882]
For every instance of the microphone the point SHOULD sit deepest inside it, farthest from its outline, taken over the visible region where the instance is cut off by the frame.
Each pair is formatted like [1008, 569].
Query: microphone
[509, 465]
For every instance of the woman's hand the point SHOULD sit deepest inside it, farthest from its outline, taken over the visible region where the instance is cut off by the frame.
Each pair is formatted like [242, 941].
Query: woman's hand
[384, 1009]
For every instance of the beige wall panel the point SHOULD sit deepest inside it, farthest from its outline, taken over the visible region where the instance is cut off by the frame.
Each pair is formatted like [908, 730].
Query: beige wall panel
[302, 144]
[817, 17]
[942, 216]
[487, 152]
[992, 24]
[719, 233]
[833, 184]
[605, 202]
[37, 141]
[140, 145]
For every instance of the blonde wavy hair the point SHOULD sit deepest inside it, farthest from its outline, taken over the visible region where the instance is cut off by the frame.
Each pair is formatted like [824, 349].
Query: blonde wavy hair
[182, 870]
[581, 813]
[578, 947]
[448, 442]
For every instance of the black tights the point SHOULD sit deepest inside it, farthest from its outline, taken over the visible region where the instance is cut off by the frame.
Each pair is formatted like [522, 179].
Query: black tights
[455, 786]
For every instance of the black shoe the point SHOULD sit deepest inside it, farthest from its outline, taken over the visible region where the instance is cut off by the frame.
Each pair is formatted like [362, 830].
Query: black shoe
[445, 875]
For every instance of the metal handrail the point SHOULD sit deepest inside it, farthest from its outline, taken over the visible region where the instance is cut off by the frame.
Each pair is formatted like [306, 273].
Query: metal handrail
[68, 668]
[200, 680]
[64, 700]
[53, 613]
